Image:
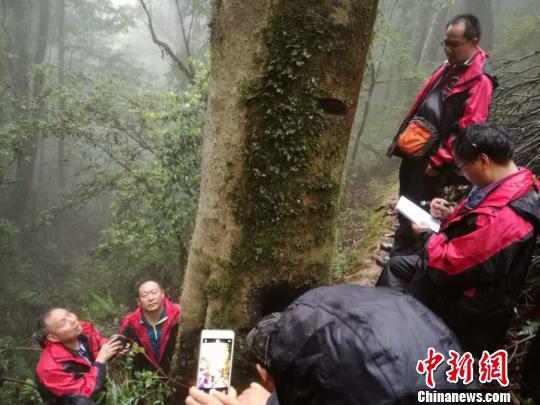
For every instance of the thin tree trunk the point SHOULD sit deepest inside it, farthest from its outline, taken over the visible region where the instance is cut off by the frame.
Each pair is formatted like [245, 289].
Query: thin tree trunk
[360, 132]
[61, 10]
[435, 13]
[375, 73]
[483, 9]
[282, 97]
[26, 164]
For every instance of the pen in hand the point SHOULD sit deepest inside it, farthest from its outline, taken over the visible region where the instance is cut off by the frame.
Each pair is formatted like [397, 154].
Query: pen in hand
[426, 203]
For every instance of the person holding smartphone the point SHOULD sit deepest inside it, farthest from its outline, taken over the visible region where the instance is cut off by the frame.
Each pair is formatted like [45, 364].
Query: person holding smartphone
[343, 345]
[71, 368]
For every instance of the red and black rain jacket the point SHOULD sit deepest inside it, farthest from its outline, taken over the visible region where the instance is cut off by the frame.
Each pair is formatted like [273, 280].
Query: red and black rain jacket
[466, 103]
[134, 328]
[476, 265]
[62, 375]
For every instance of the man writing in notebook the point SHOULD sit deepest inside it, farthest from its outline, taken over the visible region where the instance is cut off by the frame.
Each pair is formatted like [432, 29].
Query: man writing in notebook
[472, 271]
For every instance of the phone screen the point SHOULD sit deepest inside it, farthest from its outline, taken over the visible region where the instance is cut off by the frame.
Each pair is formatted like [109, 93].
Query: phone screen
[215, 361]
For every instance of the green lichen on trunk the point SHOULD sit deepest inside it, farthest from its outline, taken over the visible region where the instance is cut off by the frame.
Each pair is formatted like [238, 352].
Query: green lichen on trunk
[294, 148]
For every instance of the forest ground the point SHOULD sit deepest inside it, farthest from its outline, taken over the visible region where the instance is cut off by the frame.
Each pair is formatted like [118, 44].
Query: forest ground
[364, 225]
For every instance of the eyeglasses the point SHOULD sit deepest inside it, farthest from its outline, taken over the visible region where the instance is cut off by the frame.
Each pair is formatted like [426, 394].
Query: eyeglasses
[459, 169]
[451, 44]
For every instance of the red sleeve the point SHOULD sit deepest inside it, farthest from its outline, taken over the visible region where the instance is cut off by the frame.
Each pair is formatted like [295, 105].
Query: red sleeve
[477, 105]
[123, 325]
[444, 154]
[476, 112]
[450, 258]
[62, 383]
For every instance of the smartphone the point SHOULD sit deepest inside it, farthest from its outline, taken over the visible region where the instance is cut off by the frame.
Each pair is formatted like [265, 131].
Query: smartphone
[122, 339]
[215, 360]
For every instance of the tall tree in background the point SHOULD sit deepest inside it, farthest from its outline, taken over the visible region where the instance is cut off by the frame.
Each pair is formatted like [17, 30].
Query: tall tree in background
[61, 41]
[188, 14]
[283, 88]
[26, 162]
[483, 9]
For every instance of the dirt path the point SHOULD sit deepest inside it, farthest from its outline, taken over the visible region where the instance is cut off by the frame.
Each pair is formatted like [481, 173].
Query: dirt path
[382, 226]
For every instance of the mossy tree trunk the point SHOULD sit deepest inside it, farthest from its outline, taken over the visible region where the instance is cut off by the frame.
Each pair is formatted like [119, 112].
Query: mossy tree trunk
[283, 90]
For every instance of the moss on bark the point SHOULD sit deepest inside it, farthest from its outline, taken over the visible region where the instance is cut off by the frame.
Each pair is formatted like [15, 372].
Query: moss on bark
[298, 117]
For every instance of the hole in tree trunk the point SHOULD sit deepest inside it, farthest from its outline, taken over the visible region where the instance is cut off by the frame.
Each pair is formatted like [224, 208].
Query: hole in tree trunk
[332, 106]
[274, 297]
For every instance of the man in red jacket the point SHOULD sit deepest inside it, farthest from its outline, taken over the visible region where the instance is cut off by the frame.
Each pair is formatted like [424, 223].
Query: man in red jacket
[473, 269]
[153, 326]
[71, 368]
[456, 95]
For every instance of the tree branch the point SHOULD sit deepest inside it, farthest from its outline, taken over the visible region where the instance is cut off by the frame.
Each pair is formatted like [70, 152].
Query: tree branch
[184, 35]
[165, 47]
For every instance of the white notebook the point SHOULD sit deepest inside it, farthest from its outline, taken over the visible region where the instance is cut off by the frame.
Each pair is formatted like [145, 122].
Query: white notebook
[416, 214]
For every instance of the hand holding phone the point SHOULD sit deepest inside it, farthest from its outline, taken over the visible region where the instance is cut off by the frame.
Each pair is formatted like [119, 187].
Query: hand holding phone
[215, 361]
[124, 341]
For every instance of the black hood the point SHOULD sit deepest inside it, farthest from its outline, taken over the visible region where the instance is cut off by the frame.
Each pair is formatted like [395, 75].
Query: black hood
[528, 207]
[350, 344]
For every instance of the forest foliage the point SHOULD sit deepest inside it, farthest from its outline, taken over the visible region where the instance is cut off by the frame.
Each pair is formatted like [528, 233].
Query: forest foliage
[100, 161]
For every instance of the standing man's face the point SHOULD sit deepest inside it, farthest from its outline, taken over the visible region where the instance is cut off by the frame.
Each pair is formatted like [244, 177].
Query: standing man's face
[151, 297]
[457, 47]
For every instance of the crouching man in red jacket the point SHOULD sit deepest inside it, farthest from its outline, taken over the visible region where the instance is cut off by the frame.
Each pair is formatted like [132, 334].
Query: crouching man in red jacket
[473, 270]
[153, 326]
[71, 368]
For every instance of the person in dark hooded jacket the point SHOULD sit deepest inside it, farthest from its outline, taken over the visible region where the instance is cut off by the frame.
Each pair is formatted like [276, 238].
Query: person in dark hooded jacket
[347, 345]
[475, 267]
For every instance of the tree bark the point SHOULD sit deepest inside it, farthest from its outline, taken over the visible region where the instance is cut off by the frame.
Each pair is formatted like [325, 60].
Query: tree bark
[283, 89]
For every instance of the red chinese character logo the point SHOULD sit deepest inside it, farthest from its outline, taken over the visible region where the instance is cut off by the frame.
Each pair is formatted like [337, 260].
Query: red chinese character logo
[429, 365]
[494, 367]
[461, 368]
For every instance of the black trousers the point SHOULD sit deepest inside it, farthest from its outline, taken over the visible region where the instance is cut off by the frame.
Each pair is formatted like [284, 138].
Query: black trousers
[399, 271]
[416, 186]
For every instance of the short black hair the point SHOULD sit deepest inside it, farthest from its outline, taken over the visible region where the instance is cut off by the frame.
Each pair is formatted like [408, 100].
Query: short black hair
[147, 280]
[41, 326]
[490, 139]
[472, 25]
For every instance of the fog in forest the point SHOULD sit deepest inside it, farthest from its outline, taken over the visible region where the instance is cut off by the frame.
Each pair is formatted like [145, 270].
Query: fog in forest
[101, 139]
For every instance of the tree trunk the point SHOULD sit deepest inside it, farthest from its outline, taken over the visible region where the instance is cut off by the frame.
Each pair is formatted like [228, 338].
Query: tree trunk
[427, 10]
[484, 11]
[61, 11]
[26, 165]
[433, 31]
[434, 53]
[19, 66]
[374, 73]
[283, 90]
